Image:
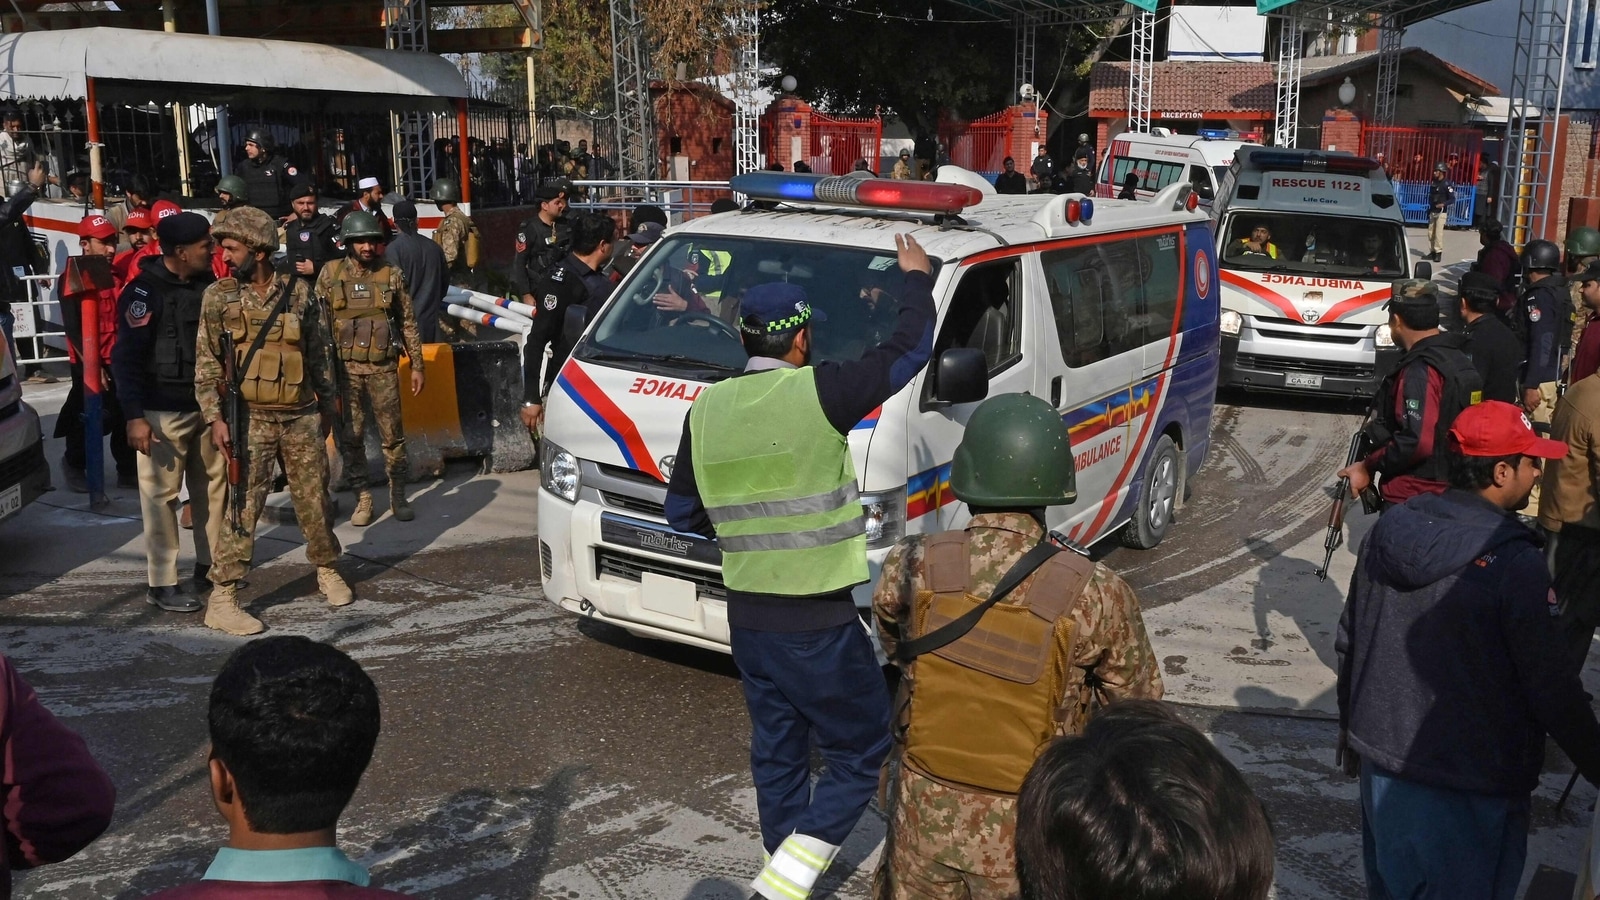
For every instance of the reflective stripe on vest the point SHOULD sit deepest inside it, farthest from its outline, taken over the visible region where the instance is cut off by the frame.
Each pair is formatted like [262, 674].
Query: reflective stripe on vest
[778, 482]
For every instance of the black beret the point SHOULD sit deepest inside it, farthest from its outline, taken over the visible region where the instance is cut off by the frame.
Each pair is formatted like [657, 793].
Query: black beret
[302, 189]
[183, 228]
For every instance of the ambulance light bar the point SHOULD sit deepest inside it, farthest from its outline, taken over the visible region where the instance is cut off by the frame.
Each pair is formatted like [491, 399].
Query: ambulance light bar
[1303, 161]
[846, 190]
[1229, 134]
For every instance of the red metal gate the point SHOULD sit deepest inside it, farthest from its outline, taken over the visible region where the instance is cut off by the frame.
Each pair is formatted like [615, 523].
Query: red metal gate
[837, 143]
[980, 145]
[1409, 154]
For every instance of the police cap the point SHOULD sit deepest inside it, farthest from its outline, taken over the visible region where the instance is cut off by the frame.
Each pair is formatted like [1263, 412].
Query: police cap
[182, 228]
[776, 308]
[302, 189]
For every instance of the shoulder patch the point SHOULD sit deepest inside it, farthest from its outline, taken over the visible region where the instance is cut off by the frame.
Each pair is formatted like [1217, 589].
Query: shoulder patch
[522, 241]
[291, 171]
[1533, 314]
[550, 301]
[138, 313]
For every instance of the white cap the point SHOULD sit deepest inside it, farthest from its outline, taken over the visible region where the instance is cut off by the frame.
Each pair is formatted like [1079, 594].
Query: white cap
[367, 184]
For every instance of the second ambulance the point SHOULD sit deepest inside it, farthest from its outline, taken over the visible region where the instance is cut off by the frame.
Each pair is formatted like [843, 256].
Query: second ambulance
[1308, 244]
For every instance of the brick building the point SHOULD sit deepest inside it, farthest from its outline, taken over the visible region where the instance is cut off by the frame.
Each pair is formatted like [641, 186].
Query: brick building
[1188, 95]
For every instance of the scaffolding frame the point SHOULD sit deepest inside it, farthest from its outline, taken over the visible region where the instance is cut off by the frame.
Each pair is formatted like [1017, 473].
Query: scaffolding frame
[1538, 76]
[636, 132]
[1141, 73]
[1026, 28]
[405, 27]
[746, 34]
[1287, 120]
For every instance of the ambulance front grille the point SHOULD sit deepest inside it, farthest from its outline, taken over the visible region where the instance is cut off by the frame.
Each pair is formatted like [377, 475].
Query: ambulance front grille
[629, 567]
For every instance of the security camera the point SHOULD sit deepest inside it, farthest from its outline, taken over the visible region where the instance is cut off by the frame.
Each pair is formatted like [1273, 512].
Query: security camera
[1026, 92]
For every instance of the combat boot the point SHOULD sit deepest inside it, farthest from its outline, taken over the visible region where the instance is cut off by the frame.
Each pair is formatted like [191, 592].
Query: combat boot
[333, 587]
[363, 513]
[398, 504]
[224, 614]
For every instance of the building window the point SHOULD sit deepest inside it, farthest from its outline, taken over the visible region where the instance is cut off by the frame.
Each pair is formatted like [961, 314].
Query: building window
[1588, 38]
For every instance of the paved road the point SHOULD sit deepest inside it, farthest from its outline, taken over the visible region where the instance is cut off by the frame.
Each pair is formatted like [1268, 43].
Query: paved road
[526, 753]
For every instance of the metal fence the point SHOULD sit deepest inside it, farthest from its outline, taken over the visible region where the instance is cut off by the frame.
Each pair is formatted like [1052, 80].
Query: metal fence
[37, 323]
[1410, 156]
[980, 145]
[837, 143]
[682, 200]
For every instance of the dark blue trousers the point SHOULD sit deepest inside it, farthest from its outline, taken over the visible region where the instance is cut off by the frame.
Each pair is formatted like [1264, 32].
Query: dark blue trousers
[1428, 843]
[822, 687]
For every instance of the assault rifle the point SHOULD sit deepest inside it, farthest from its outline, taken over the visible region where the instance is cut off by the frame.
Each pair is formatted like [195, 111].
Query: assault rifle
[234, 414]
[1370, 503]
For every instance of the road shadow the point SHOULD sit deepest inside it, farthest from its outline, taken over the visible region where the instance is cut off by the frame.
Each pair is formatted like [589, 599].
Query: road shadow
[1307, 403]
[708, 661]
[442, 505]
[476, 841]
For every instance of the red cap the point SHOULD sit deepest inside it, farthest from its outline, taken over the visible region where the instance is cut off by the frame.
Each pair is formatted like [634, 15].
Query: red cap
[163, 208]
[1498, 428]
[139, 220]
[97, 226]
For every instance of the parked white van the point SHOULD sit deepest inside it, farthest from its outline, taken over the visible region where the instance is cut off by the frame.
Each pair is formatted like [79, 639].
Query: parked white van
[1161, 158]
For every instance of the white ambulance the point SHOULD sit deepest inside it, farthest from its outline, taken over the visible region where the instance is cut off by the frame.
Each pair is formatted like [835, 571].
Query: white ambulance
[1161, 158]
[1108, 308]
[1309, 244]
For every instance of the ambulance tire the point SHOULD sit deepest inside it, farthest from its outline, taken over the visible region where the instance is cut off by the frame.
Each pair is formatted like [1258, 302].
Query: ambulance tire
[1158, 498]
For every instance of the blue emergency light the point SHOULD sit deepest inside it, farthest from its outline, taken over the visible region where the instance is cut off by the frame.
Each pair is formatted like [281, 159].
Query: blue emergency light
[848, 190]
[1229, 134]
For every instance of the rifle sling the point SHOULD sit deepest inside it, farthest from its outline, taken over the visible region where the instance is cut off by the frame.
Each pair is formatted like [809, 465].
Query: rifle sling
[954, 631]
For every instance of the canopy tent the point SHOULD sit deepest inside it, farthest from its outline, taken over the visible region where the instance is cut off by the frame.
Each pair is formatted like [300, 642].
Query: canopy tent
[132, 66]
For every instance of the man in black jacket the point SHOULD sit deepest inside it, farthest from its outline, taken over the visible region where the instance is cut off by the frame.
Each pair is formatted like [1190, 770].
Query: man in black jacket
[1496, 353]
[1441, 196]
[152, 363]
[309, 235]
[268, 176]
[1452, 670]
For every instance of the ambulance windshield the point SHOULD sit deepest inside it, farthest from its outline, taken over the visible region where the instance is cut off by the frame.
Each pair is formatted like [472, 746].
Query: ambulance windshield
[679, 313]
[1306, 242]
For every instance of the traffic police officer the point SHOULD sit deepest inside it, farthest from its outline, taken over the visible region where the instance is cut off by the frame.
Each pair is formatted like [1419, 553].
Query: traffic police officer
[368, 302]
[953, 818]
[309, 235]
[765, 467]
[575, 281]
[455, 231]
[289, 388]
[152, 363]
[267, 176]
[542, 241]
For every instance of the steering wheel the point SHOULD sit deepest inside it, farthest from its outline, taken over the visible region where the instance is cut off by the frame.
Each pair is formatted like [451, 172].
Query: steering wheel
[713, 321]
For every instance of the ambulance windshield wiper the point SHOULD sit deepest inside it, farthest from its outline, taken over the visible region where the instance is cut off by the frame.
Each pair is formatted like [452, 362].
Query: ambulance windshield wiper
[678, 359]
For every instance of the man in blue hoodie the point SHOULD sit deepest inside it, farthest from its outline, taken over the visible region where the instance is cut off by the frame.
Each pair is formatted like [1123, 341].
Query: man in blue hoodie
[1452, 670]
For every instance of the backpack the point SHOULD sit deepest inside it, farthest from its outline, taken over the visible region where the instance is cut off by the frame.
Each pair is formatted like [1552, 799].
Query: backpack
[982, 706]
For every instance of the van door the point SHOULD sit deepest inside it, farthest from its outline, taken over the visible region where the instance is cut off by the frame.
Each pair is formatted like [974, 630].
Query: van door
[989, 310]
[1096, 357]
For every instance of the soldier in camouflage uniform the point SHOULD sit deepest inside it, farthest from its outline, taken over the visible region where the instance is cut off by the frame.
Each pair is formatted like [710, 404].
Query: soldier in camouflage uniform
[367, 300]
[949, 839]
[451, 235]
[1583, 248]
[290, 391]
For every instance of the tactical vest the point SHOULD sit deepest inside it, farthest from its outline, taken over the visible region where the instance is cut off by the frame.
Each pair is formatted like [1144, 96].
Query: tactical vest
[177, 333]
[276, 376]
[361, 312]
[983, 706]
[1463, 387]
[779, 485]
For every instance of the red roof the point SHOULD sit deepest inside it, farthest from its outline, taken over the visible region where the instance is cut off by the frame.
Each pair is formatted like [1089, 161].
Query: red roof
[1238, 89]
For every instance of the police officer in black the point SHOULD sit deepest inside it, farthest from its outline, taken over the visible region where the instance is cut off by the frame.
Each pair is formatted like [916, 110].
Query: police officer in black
[309, 235]
[1412, 411]
[268, 175]
[1496, 353]
[575, 281]
[1080, 178]
[542, 241]
[1545, 312]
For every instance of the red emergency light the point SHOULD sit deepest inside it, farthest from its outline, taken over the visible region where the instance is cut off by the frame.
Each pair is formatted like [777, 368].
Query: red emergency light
[847, 190]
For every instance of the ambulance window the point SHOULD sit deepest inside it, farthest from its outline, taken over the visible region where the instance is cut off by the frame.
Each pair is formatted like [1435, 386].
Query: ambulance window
[1159, 261]
[986, 314]
[1124, 303]
[1200, 177]
[1078, 283]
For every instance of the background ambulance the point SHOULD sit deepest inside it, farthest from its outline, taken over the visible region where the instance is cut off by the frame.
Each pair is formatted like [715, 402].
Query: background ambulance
[1308, 315]
[1109, 309]
[1161, 158]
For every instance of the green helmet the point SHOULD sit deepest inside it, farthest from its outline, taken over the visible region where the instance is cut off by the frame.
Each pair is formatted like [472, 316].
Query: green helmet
[445, 190]
[360, 224]
[1583, 241]
[1015, 453]
[249, 226]
[234, 186]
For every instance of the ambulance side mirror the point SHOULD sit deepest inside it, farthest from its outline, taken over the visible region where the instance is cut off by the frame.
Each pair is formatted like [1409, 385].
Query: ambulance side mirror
[572, 326]
[961, 376]
[1424, 271]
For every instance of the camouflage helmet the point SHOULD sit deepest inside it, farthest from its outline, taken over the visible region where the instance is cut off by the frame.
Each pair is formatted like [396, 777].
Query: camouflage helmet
[1583, 241]
[445, 190]
[1015, 453]
[1541, 254]
[1413, 292]
[249, 226]
[360, 225]
[234, 186]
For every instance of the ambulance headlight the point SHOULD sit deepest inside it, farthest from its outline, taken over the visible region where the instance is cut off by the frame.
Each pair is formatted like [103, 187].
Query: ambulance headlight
[1385, 337]
[558, 472]
[886, 517]
[1231, 322]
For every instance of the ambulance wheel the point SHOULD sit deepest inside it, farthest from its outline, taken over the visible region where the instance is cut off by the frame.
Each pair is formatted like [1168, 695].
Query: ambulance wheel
[1157, 500]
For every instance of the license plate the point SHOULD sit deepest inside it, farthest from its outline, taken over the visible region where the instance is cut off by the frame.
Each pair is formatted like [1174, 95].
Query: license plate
[653, 538]
[10, 500]
[1294, 379]
[669, 596]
